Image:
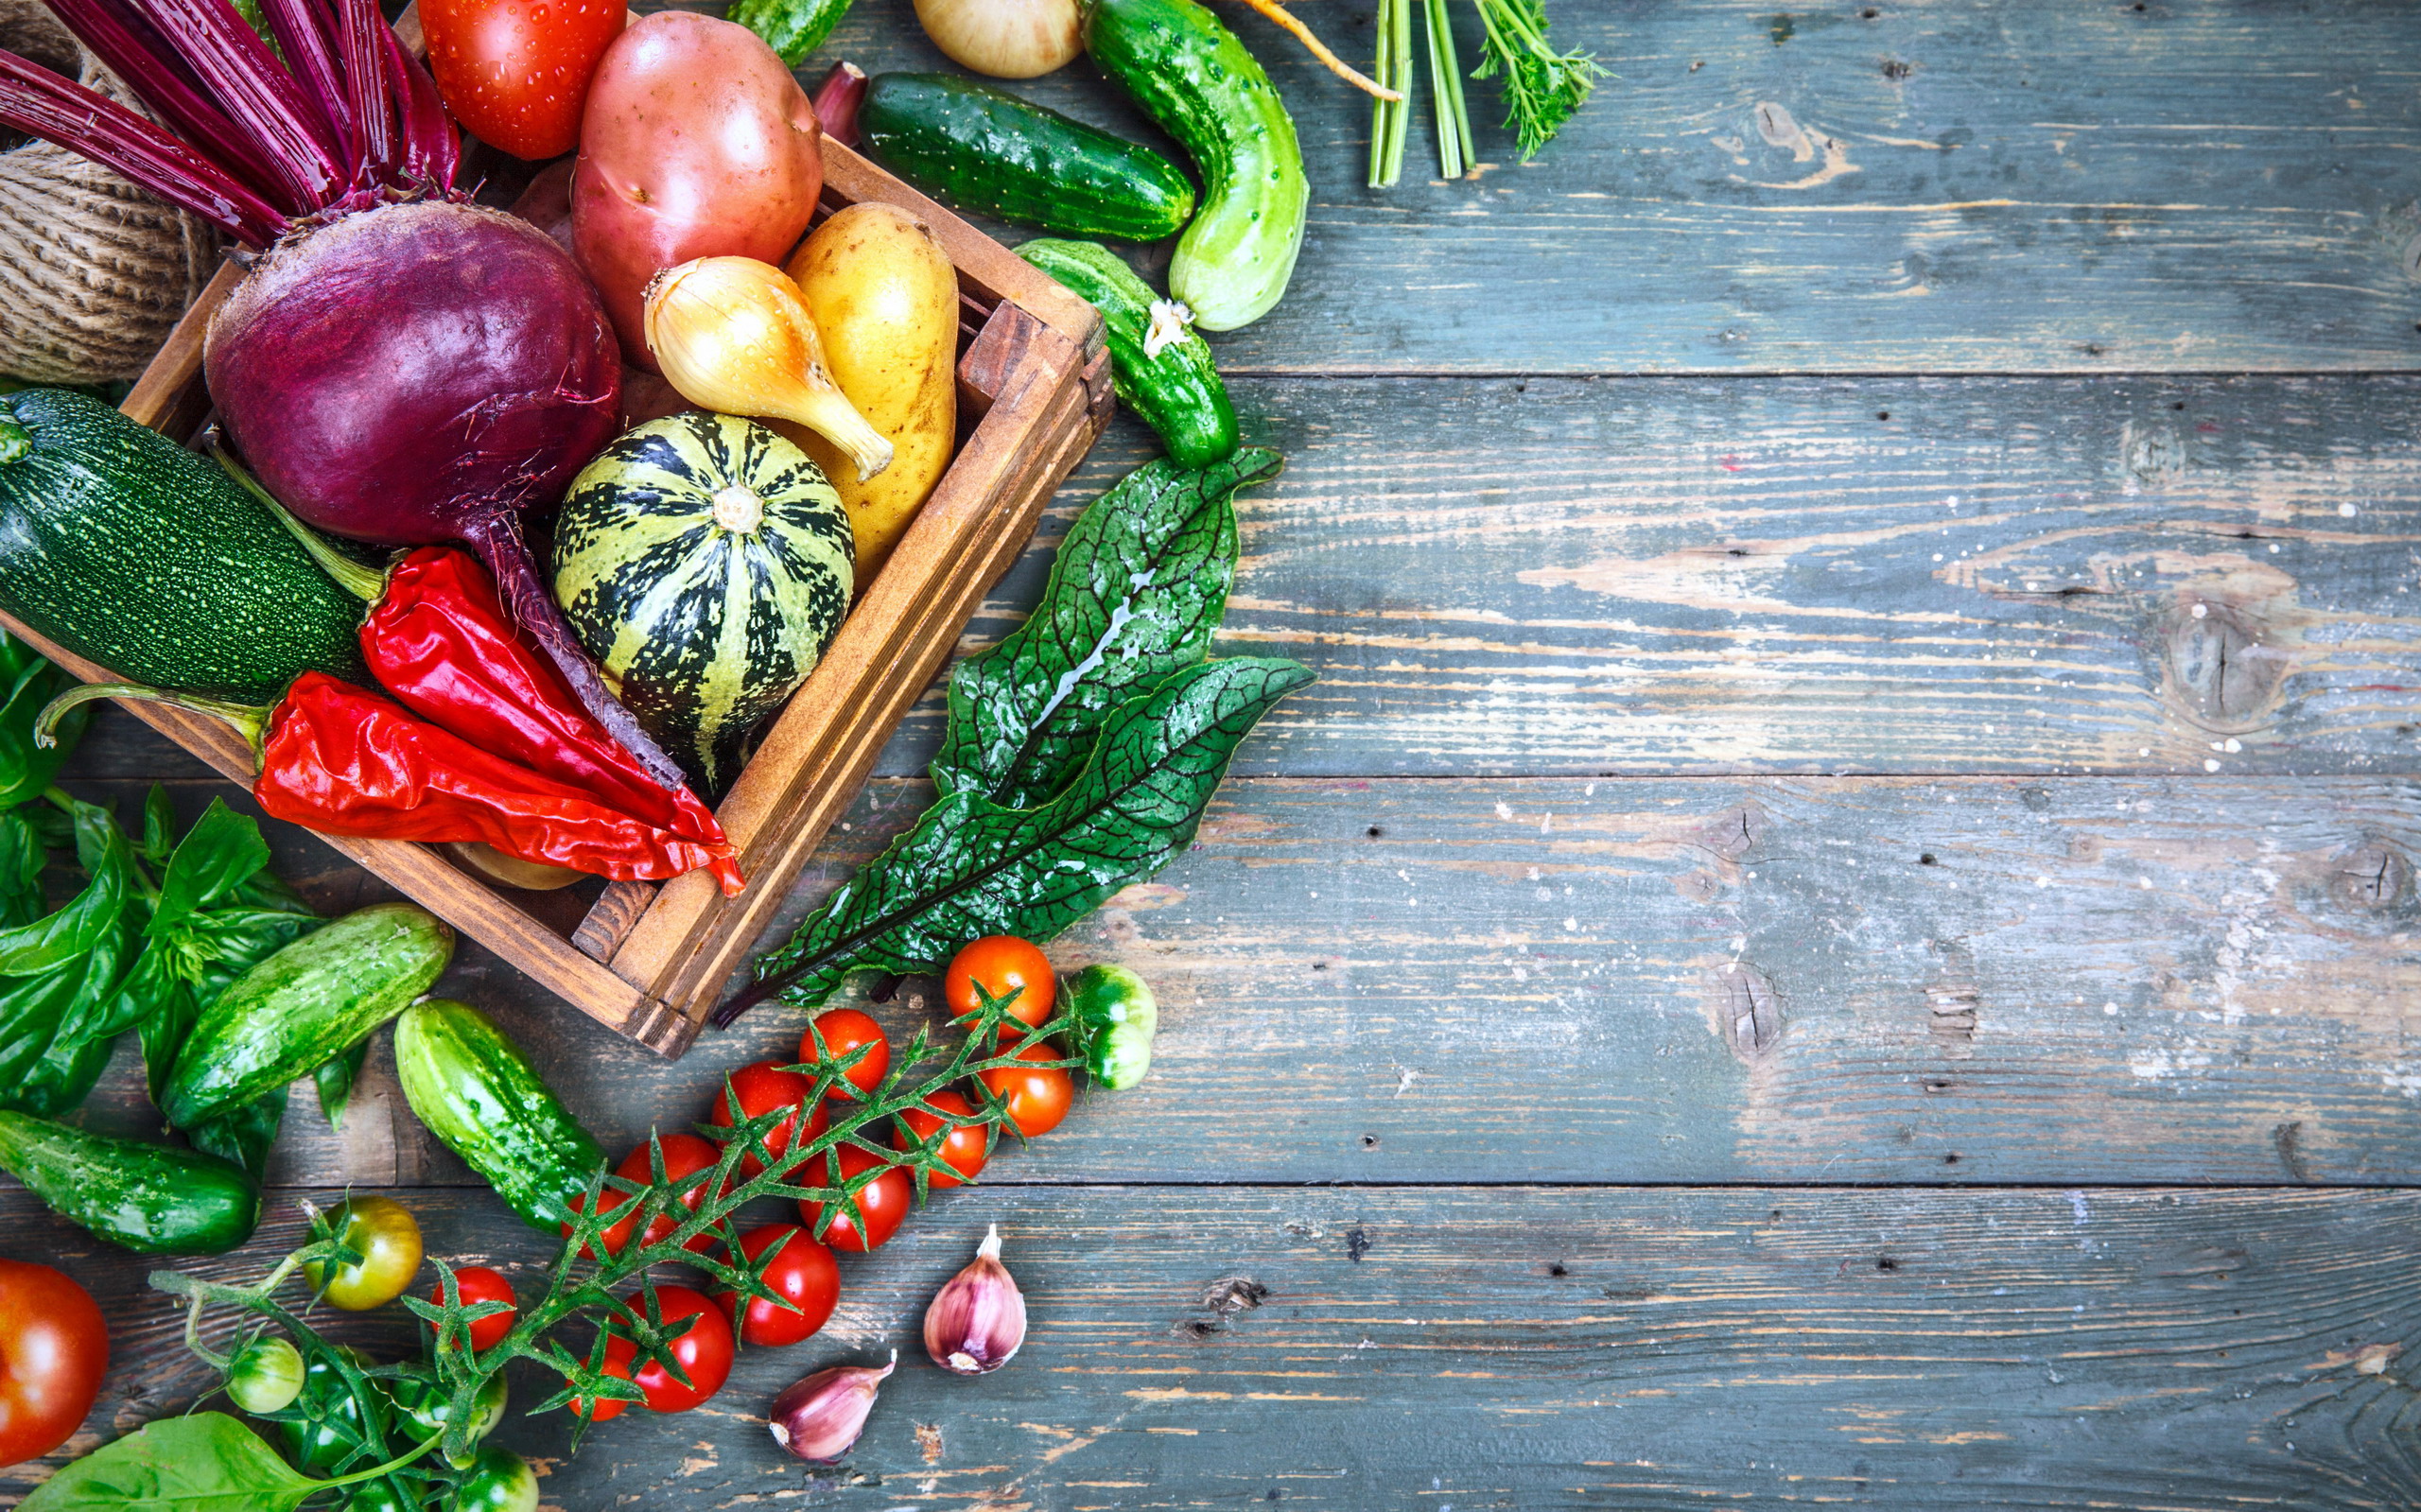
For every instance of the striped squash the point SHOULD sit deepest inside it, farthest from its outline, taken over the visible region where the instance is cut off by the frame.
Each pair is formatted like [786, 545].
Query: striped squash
[706, 563]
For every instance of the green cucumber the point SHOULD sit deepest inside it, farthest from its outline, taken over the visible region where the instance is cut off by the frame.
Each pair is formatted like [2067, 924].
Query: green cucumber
[1193, 79]
[123, 547]
[480, 1095]
[1175, 391]
[147, 1197]
[311, 1000]
[791, 28]
[986, 149]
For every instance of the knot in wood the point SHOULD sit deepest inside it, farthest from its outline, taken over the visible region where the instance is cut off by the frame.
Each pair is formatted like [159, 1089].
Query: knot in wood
[1750, 1011]
[2221, 672]
[1734, 833]
[2374, 877]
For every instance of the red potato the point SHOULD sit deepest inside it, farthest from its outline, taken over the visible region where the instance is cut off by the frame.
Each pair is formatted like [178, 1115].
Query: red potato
[696, 143]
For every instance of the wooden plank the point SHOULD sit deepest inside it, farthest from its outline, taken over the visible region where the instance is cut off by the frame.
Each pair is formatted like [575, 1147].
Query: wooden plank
[1535, 576]
[1684, 980]
[1961, 185]
[2195, 1351]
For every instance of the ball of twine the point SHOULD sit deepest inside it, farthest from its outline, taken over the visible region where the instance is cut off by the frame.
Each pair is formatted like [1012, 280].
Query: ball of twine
[94, 273]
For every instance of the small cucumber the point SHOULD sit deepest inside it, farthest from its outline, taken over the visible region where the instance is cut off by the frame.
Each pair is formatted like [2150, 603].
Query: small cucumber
[1176, 391]
[986, 149]
[309, 1002]
[480, 1095]
[1193, 79]
[147, 1197]
[791, 28]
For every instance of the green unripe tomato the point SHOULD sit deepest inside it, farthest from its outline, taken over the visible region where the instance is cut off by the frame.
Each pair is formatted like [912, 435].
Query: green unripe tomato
[383, 1233]
[334, 1427]
[266, 1375]
[1116, 1016]
[501, 1481]
[422, 1409]
[377, 1496]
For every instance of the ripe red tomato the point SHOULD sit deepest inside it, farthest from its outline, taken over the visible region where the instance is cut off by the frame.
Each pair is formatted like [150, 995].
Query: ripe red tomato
[477, 1283]
[54, 1349]
[1038, 1095]
[963, 1150]
[515, 73]
[761, 1087]
[1002, 964]
[804, 1274]
[885, 1201]
[842, 1031]
[684, 1154]
[620, 1352]
[703, 1349]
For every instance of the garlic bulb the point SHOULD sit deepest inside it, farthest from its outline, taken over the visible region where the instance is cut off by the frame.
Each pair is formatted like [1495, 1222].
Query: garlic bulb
[1006, 39]
[819, 1418]
[978, 1318]
[734, 335]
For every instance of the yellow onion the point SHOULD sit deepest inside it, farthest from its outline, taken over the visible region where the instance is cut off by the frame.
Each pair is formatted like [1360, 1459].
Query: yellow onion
[734, 335]
[1006, 39]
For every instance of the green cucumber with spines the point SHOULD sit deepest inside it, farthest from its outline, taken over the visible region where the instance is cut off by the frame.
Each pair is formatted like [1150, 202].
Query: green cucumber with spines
[1199, 83]
[149, 1198]
[1177, 391]
[472, 1087]
[123, 547]
[985, 149]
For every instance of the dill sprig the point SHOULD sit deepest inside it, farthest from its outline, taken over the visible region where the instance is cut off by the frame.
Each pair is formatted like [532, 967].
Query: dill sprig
[1543, 87]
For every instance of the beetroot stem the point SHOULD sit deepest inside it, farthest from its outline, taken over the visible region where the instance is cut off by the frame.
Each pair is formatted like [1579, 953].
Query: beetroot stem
[365, 77]
[430, 152]
[304, 39]
[259, 95]
[130, 48]
[39, 103]
[496, 540]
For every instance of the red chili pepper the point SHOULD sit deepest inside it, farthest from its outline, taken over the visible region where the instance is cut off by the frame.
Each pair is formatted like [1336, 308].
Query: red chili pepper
[440, 641]
[342, 760]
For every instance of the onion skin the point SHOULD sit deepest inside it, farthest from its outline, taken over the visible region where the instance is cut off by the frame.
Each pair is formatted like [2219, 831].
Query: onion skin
[399, 374]
[1006, 39]
[697, 142]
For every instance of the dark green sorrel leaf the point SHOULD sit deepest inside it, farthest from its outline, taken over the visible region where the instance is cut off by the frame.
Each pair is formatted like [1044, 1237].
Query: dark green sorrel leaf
[972, 868]
[1137, 591]
[206, 1463]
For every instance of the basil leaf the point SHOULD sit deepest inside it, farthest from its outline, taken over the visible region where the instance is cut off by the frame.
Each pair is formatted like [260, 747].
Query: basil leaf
[222, 850]
[22, 858]
[243, 1135]
[159, 827]
[207, 1462]
[30, 950]
[27, 770]
[335, 1079]
[163, 1034]
[971, 868]
[1135, 594]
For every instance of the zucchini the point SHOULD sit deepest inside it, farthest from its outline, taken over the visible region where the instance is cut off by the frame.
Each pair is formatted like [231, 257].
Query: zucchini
[706, 563]
[123, 547]
[791, 28]
[1175, 391]
[147, 1197]
[311, 1000]
[1194, 79]
[986, 149]
[480, 1095]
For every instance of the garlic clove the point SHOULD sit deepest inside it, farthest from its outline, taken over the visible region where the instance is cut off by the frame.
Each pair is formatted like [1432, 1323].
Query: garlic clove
[977, 1320]
[820, 1417]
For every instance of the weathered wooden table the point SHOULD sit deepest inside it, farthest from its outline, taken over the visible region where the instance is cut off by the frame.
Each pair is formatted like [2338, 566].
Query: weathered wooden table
[1839, 925]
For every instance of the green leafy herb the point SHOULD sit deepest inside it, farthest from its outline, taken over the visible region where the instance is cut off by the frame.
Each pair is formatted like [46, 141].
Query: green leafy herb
[971, 868]
[26, 768]
[221, 851]
[334, 1080]
[1543, 87]
[33, 949]
[1136, 593]
[205, 1463]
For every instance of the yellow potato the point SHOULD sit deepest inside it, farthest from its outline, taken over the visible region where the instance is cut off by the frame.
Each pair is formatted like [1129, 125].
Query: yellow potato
[885, 300]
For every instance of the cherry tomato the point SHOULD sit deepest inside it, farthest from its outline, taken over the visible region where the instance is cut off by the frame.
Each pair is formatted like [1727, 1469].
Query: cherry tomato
[885, 1201]
[1001, 965]
[477, 1283]
[382, 1232]
[703, 1349]
[54, 1349]
[500, 1481]
[684, 1154]
[803, 1274]
[515, 73]
[762, 1086]
[264, 1376]
[620, 1352]
[963, 1150]
[1038, 1096]
[842, 1031]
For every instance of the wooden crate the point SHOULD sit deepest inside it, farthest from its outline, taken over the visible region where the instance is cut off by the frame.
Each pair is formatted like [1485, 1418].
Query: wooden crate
[651, 959]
